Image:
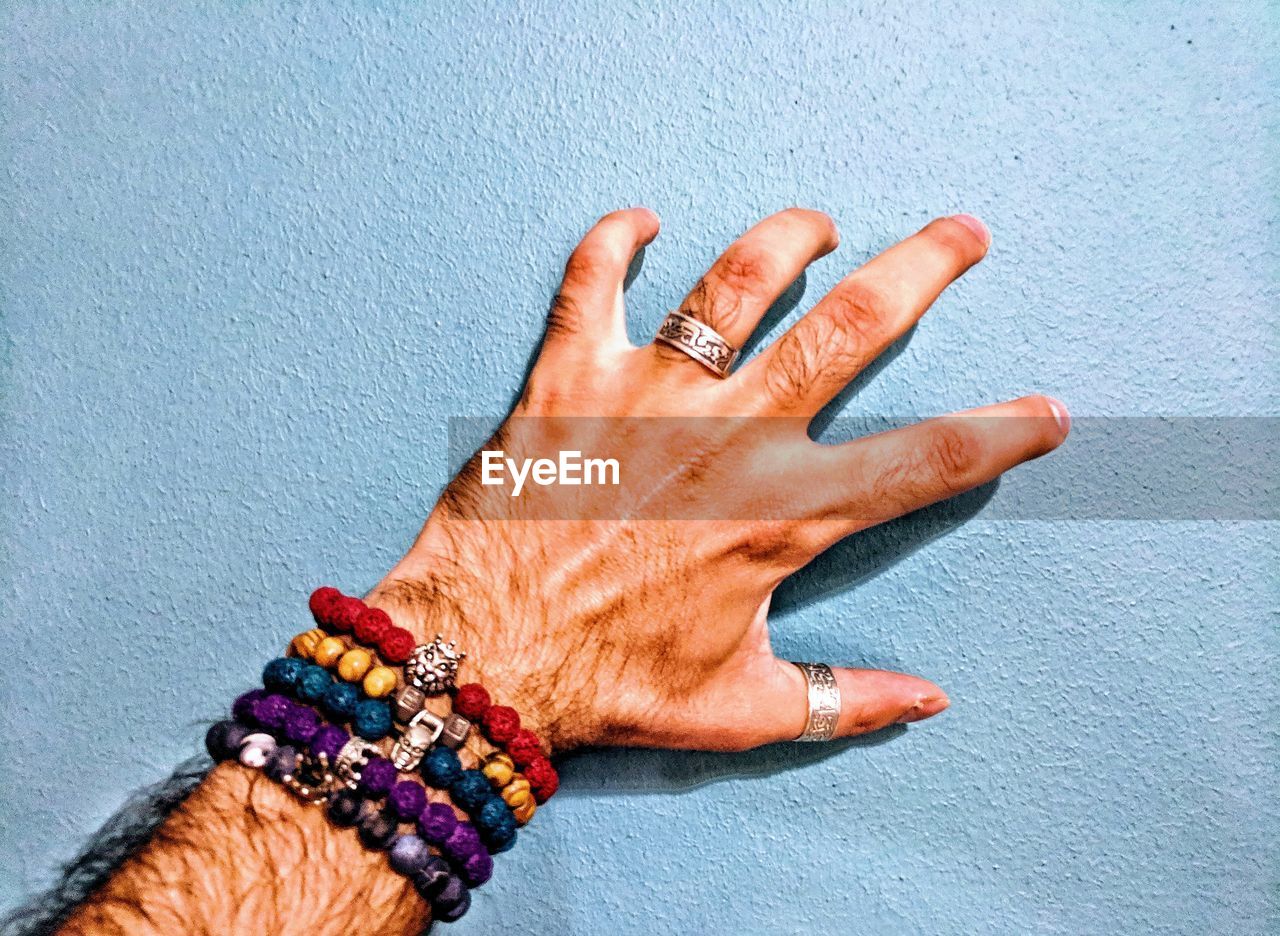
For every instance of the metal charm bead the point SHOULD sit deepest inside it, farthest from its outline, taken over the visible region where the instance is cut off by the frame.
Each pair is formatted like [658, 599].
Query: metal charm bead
[422, 732]
[351, 761]
[698, 340]
[312, 781]
[409, 702]
[456, 729]
[824, 702]
[433, 667]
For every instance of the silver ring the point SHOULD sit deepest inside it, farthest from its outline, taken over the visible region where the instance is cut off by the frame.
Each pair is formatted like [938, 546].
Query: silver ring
[824, 702]
[698, 340]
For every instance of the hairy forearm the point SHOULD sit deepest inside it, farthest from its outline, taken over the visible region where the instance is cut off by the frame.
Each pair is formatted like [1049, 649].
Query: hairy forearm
[243, 855]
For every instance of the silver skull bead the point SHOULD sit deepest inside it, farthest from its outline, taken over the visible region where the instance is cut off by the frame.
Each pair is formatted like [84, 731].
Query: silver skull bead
[413, 744]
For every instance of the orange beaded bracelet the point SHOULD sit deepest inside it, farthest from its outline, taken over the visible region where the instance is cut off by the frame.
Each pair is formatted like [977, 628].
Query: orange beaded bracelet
[352, 664]
[511, 785]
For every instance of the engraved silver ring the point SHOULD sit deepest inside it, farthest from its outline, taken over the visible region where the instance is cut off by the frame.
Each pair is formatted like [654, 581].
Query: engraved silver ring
[824, 702]
[698, 340]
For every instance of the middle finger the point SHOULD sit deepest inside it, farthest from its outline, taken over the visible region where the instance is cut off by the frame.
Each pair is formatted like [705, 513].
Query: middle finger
[869, 310]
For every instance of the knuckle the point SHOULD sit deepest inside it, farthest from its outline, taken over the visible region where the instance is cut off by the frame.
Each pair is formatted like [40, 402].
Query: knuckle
[859, 313]
[743, 276]
[953, 455]
[792, 369]
[591, 259]
[709, 302]
[837, 339]
[770, 541]
[564, 317]
[745, 270]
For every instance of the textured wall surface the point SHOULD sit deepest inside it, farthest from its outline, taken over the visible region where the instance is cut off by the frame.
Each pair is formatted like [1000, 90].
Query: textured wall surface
[252, 261]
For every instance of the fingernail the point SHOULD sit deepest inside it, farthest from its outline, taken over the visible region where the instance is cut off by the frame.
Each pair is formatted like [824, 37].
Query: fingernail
[925, 708]
[975, 225]
[1060, 414]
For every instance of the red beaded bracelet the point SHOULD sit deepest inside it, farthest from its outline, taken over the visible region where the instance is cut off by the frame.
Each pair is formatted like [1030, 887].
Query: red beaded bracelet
[342, 614]
[501, 725]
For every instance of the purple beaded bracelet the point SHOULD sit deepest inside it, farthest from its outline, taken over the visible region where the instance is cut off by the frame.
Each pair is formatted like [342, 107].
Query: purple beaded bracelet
[299, 725]
[446, 891]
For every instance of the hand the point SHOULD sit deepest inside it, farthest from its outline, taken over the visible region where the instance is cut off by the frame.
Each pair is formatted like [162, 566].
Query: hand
[604, 621]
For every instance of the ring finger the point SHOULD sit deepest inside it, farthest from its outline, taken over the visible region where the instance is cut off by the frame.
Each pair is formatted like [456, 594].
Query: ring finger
[749, 277]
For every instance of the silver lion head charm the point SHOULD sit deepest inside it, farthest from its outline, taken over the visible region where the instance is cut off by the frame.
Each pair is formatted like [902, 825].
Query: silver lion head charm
[433, 667]
[419, 735]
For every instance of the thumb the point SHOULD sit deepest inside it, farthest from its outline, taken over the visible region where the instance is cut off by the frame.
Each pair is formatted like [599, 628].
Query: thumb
[869, 700]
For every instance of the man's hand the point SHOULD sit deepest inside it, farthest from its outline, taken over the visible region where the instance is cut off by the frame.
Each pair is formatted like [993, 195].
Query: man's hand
[638, 615]
[631, 614]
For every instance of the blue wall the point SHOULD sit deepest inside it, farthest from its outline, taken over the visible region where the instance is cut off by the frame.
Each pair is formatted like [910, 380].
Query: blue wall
[253, 260]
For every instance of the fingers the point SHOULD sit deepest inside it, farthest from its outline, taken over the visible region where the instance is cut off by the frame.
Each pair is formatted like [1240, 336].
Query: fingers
[588, 307]
[864, 314]
[756, 269]
[875, 699]
[869, 701]
[871, 480]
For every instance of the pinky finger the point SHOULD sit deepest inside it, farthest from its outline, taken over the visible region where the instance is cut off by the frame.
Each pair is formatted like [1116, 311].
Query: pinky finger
[588, 308]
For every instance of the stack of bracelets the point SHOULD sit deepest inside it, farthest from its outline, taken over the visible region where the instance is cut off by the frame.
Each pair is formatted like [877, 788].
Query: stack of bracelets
[357, 680]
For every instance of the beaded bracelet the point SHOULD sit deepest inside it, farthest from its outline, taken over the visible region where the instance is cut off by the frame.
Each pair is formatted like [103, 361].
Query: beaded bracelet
[429, 669]
[501, 725]
[309, 682]
[357, 664]
[352, 664]
[342, 614]
[493, 817]
[423, 728]
[512, 786]
[264, 715]
[471, 792]
[410, 855]
[372, 778]
[276, 729]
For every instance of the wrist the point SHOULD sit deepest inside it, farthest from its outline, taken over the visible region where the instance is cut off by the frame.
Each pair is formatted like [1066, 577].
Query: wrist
[434, 605]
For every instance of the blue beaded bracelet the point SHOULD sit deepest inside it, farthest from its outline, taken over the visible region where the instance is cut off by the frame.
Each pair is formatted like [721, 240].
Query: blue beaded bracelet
[472, 792]
[344, 702]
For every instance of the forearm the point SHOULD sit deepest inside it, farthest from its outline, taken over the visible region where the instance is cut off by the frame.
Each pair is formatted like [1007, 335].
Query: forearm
[242, 855]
